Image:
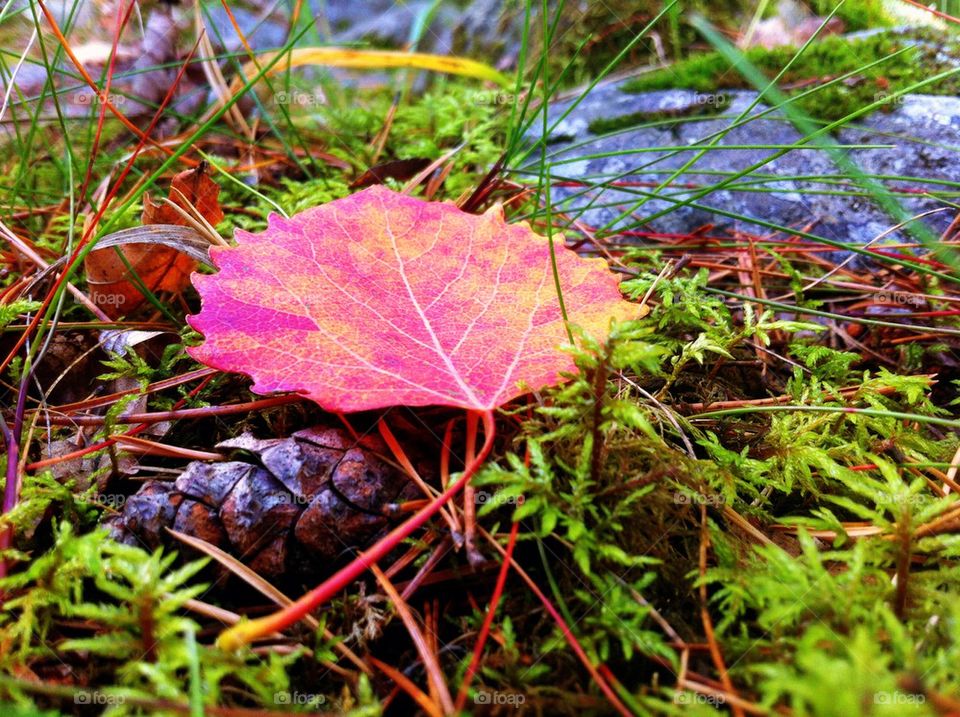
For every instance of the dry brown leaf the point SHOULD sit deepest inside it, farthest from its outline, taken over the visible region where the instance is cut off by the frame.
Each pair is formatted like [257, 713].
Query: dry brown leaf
[114, 287]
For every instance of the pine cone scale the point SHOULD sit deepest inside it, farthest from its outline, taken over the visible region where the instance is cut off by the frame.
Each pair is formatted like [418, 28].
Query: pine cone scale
[294, 507]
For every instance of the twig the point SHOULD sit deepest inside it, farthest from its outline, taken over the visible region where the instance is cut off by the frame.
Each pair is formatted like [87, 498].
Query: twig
[715, 653]
[185, 413]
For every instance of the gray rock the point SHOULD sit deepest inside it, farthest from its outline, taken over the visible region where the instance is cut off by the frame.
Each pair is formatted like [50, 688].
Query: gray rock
[490, 30]
[266, 29]
[921, 133]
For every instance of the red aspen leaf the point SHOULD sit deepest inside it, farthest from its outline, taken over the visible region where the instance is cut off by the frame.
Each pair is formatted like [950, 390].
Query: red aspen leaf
[381, 299]
[159, 268]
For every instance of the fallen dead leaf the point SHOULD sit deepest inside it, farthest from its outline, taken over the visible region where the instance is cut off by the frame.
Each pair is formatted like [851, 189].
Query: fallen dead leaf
[115, 274]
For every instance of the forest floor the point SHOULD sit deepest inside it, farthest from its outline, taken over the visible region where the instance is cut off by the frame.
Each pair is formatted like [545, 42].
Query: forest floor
[743, 497]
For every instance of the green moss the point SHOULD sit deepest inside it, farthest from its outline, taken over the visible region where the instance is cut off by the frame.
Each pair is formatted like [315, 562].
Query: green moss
[448, 117]
[451, 115]
[295, 197]
[612, 25]
[821, 62]
[856, 14]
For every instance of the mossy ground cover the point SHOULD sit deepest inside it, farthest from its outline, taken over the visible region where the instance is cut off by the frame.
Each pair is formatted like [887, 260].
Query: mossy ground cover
[596, 34]
[905, 59]
[856, 15]
[745, 500]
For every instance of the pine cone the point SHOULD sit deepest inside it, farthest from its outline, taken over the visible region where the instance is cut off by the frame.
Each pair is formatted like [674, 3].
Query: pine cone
[292, 508]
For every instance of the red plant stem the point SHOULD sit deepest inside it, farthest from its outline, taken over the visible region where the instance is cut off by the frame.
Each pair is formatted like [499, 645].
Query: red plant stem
[11, 489]
[245, 632]
[110, 399]
[487, 620]
[445, 455]
[470, 504]
[94, 447]
[205, 412]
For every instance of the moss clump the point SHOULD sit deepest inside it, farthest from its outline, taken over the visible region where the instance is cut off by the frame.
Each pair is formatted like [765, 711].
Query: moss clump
[614, 24]
[821, 62]
[611, 26]
[294, 197]
[450, 115]
[856, 14]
